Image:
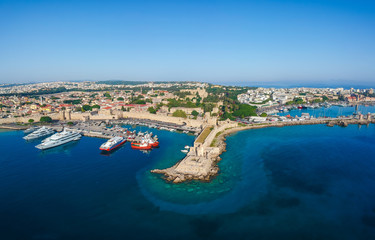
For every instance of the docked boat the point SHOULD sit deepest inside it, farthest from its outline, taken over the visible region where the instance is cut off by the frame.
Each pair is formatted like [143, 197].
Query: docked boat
[30, 130]
[41, 132]
[112, 144]
[59, 139]
[184, 151]
[131, 135]
[141, 144]
[153, 141]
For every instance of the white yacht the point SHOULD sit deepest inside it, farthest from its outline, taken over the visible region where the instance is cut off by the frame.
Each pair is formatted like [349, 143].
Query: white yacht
[30, 130]
[41, 132]
[59, 139]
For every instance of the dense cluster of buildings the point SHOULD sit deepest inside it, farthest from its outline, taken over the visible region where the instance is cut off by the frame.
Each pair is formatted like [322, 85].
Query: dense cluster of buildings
[20, 101]
[275, 96]
[103, 102]
[89, 85]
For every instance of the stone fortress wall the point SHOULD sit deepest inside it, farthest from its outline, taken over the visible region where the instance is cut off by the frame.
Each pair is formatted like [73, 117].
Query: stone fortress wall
[109, 115]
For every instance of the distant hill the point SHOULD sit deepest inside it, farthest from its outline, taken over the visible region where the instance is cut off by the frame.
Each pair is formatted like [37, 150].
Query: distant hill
[123, 82]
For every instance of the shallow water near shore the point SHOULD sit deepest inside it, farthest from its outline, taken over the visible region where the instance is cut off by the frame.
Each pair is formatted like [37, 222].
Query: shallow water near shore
[333, 111]
[294, 182]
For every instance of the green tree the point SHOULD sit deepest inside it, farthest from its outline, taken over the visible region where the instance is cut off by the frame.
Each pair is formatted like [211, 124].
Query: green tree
[86, 108]
[194, 113]
[245, 110]
[70, 123]
[263, 115]
[179, 113]
[295, 101]
[151, 110]
[120, 99]
[96, 106]
[158, 106]
[31, 120]
[107, 95]
[208, 107]
[45, 119]
[74, 102]
[139, 101]
[227, 115]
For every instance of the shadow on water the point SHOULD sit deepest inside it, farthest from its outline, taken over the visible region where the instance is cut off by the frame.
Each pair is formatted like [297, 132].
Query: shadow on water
[36, 140]
[109, 153]
[205, 227]
[63, 148]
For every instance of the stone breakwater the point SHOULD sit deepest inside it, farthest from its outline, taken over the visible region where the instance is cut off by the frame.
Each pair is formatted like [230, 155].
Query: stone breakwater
[13, 127]
[201, 161]
[193, 167]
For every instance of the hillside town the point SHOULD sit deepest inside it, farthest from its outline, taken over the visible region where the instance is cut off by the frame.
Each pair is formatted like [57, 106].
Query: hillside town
[276, 96]
[196, 103]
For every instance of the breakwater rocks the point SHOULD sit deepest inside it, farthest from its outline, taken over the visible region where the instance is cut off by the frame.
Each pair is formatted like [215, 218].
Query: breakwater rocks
[194, 167]
[345, 123]
[191, 168]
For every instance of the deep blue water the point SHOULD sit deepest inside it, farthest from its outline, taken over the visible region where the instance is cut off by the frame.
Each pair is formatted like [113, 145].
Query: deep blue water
[333, 111]
[300, 182]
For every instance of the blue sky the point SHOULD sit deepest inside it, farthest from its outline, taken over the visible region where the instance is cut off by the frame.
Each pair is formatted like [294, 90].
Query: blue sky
[216, 41]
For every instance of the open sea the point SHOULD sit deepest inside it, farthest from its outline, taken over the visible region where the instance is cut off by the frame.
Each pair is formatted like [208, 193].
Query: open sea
[298, 182]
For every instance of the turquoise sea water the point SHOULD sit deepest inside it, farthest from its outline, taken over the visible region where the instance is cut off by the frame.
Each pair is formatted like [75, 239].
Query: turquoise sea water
[300, 182]
[333, 111]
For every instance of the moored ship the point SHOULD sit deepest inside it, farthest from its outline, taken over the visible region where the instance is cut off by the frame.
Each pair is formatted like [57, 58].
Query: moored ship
[112, 144]
[30, 130]
[145, 141]
[141, 144]
[41, 132]
[59, 139]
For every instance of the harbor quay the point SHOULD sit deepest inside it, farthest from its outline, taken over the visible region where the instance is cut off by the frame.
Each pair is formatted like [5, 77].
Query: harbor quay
[98, 128]
[200, 162]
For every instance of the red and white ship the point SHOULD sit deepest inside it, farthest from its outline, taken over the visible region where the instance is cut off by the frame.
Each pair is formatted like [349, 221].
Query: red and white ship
[112, 144]
[145, 142]
[142, 144]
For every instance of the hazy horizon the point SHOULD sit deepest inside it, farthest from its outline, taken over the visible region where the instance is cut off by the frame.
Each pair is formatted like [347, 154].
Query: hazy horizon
[300, 42]
[267, 84]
